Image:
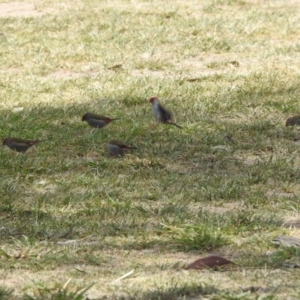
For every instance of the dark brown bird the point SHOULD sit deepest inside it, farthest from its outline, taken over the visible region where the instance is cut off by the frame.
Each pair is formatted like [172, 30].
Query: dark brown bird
[95, 120]
[20, 145]
[116, 147]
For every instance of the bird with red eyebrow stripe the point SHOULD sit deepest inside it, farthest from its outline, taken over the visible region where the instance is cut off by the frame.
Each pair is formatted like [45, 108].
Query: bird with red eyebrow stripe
[160, 113]
[116, 147]
[20, 145]
[96, 121]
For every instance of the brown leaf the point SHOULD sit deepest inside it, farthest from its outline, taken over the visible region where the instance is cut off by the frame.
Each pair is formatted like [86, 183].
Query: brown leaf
[234, 63]
[208, 262]
[292, 121]
[193, 79]
[119, 66]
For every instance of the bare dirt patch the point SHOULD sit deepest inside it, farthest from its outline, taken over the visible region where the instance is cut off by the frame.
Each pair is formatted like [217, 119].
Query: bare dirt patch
[18, 9]
[149, 73]
[69, 74]
[65, 74]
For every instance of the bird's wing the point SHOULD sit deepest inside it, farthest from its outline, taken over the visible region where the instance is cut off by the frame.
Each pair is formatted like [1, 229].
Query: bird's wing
[23, 141]
[96, 116]
[167, 116]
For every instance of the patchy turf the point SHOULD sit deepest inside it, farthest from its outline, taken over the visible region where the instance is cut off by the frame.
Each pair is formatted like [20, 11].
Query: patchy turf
[75, 220]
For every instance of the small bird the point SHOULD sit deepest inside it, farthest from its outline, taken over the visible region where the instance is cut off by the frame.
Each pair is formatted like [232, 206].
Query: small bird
[293, 121]
[95, 120]
[160, 113]
[116, 147]
[20, 145]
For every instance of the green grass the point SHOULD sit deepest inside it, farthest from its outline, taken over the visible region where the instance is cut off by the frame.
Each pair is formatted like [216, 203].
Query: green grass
[225, 184]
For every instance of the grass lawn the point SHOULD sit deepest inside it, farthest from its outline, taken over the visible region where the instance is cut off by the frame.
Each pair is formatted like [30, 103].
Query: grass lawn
[74, 220]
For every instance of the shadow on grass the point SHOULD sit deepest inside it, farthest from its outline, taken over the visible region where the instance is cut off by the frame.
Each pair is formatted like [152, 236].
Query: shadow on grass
[210, 171]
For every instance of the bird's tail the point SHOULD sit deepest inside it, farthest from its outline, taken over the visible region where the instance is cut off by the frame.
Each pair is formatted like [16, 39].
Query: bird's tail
[171, 123]
[31, 143]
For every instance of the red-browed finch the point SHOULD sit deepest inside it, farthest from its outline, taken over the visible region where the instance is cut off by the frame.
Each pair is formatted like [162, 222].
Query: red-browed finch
[20, 145]
[95, 120]
[116, 147]
[161, 115]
